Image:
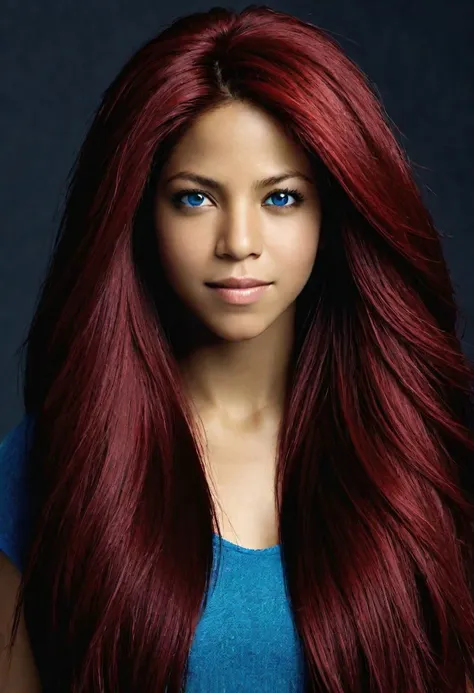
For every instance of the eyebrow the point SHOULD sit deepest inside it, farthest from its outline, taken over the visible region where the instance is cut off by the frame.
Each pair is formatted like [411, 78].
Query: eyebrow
[257, 185]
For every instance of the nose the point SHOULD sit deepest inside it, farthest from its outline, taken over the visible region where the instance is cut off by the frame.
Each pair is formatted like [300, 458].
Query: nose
[239, 236]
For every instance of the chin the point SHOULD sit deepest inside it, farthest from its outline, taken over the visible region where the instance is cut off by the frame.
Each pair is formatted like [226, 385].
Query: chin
[236, 332]
[236, 338]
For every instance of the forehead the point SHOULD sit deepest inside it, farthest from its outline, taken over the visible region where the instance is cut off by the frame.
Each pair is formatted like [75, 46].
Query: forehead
[237, 137]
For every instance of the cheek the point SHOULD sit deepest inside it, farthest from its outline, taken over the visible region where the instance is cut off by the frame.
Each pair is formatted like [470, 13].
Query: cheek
[297, 255]
[181, 257]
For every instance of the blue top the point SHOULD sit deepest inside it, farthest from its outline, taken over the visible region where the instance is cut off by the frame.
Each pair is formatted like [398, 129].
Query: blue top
[246, 639]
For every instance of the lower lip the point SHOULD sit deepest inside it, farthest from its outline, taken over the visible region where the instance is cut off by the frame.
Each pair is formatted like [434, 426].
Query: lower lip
[241, 296]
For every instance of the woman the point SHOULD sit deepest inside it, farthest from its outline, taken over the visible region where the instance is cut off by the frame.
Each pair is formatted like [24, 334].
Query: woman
[230, 487]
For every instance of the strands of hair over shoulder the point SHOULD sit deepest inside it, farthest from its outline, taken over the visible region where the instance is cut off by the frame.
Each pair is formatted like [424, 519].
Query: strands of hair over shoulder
[374, 483]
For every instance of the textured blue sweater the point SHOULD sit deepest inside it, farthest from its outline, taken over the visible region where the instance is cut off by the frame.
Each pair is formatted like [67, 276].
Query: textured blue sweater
[245, 640]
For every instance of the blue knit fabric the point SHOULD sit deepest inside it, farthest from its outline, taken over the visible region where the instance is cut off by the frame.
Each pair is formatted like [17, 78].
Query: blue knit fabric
[245, 640]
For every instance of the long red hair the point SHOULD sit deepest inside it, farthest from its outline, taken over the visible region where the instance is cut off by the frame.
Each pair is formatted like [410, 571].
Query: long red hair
[374, 482]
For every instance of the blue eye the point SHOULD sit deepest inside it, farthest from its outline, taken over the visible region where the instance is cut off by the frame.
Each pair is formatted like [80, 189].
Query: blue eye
[191, 193]
[291, 193]
[285, 192]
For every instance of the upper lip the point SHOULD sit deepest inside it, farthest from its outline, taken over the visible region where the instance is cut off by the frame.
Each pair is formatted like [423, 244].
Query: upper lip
[239, 282]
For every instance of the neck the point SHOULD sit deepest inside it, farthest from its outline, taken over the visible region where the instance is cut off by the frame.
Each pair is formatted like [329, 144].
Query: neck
[241, 381]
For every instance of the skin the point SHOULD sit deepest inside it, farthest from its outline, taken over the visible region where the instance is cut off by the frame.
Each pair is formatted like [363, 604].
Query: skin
[235, 367]
[236, 374]
[21, 675]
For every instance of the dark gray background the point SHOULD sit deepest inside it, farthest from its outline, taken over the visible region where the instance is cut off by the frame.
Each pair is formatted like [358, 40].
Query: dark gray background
[58, 56]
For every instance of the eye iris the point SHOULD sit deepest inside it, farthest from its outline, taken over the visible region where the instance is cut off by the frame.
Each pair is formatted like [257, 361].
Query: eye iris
[190, 195]
[279, 193]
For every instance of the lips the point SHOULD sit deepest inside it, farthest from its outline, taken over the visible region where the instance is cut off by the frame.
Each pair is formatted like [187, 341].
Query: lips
[241, 297]
[238, 283]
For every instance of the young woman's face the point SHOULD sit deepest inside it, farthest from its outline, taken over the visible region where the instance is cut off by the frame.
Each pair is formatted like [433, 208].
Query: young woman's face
[237, 228]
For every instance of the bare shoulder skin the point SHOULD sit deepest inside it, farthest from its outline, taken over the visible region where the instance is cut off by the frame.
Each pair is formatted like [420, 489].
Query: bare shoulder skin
[21, 675]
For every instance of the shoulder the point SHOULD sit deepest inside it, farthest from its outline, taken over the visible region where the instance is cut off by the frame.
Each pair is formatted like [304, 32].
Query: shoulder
[13, 490]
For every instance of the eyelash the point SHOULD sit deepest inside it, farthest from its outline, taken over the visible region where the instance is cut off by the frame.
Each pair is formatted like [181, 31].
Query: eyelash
[299, 197]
